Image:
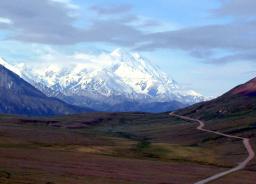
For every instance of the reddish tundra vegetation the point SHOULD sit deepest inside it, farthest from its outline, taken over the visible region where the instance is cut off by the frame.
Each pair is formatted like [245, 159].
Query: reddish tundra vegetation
[130, 148]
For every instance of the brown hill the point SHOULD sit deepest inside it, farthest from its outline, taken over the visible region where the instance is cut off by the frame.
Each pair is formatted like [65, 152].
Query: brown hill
[248, 88]
[239, 100]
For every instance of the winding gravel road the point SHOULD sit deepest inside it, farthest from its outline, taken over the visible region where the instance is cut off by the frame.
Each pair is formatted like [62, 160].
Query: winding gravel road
[240, 166]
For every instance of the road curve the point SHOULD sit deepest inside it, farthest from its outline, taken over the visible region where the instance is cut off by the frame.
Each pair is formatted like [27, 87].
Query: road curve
[240, 166]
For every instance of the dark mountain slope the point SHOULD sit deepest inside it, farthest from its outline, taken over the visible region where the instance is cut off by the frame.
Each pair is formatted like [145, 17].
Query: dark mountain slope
[239, 100]
[247, 89]
[19, 97]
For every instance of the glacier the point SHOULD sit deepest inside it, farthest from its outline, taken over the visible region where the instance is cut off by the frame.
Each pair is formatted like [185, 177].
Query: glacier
[108, 81]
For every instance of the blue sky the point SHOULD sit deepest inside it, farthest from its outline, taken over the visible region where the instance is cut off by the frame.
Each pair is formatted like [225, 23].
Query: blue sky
[206, 45]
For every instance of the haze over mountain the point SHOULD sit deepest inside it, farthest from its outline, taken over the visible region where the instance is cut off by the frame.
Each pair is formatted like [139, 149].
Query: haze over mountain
[19, 97]
[116, 81]
[239, 100]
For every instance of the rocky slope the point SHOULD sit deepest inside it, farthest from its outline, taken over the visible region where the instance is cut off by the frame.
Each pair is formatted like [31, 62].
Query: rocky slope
[19, 97]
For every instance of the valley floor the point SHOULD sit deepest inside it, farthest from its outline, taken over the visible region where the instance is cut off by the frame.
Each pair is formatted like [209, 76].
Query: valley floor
[47, 166]
[128, 148]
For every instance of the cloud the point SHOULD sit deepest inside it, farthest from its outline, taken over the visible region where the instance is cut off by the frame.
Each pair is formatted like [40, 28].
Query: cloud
[67, 3]
[249, 55]
[5, 20]
[111, 10]
[237, 8]
[5, 23]
[35, 20]
[228, 36]
[54, 22]
[237, 39]
[207, 42]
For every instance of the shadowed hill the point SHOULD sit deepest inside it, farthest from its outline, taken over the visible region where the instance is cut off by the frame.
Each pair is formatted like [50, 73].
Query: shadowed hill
[19, 97]
[239, 100]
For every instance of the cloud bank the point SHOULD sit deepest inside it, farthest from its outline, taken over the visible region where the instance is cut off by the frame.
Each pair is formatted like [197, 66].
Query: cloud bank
[54, 22]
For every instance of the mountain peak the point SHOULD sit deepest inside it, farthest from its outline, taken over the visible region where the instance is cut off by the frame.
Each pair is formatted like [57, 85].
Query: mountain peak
[110, 78]
[9, 67]
[3, 63]
[137, 56]
[119, 52]
[122, 55]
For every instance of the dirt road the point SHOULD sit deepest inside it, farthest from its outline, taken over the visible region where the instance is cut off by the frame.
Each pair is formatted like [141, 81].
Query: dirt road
[240, 166]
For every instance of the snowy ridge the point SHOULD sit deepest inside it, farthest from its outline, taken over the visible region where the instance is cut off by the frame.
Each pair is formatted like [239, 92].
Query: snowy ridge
[10, 67]
[109, 78]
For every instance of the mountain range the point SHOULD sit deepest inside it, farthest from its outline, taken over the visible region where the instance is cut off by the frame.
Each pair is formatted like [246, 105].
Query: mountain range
[19, 97]
[110, 81]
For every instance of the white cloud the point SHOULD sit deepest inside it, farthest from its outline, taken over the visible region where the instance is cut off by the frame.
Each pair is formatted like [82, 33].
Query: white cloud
[4, 20]
[67, 3]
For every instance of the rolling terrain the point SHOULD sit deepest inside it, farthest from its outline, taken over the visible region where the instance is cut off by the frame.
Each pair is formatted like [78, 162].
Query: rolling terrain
[132, 148]
[245, 141]
[115, 148]
[233, 113]
[127, 92]
[241, 100]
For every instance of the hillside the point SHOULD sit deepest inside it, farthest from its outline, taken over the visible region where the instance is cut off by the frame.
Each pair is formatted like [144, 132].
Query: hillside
[238, 101]
[19, 97]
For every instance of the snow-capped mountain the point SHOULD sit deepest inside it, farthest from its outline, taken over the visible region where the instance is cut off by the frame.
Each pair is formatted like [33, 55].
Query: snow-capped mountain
[19, 97]
[107, 80]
